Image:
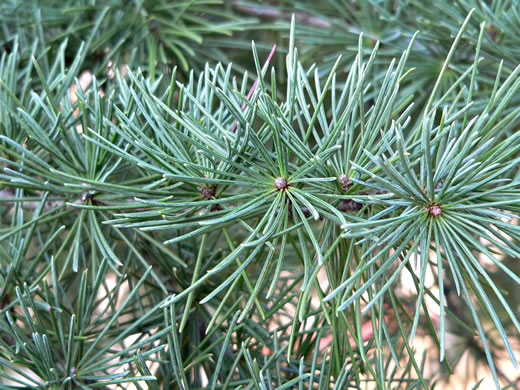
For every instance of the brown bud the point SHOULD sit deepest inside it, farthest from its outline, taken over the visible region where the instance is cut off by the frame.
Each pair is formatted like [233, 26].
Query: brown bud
[434, 210]
[343, 179]
[280, 184]
[207, 192]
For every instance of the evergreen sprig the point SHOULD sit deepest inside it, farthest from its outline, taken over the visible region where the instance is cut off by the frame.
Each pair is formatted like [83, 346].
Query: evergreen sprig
[200, 229]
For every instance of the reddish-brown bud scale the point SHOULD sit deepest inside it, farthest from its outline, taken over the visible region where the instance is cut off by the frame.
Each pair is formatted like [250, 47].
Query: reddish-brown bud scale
[434, 210]
[343, 179]
[280, 184]
[207, 192]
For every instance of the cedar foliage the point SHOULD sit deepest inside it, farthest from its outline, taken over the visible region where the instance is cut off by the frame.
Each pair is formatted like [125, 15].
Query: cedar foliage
[171, 220]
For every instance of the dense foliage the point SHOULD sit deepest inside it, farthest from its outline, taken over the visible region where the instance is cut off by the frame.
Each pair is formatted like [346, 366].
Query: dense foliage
[333, 206]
